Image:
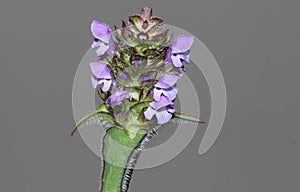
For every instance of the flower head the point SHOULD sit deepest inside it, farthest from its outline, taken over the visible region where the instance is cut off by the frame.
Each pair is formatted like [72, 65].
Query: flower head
[101, 75]
[139, 69]
[102, 38]
[179, 51]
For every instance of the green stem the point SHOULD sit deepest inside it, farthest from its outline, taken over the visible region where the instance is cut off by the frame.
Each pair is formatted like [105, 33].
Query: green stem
[118, 151]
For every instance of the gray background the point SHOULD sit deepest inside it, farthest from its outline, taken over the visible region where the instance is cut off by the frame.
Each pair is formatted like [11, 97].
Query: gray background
[256, 44]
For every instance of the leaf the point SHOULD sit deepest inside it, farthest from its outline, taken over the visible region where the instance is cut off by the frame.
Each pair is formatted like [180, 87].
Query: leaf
[97, 114]
[188, 118]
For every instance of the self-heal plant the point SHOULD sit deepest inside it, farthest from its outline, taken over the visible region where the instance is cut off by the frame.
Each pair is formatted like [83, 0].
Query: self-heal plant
[135, 75]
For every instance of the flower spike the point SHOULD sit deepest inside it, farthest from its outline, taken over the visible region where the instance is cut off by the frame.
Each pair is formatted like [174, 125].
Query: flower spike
[135, 74]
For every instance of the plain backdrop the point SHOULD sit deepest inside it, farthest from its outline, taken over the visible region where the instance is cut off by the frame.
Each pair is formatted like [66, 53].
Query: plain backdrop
[256, 44]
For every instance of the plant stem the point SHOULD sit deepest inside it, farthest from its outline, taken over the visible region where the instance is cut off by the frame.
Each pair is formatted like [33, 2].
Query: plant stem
[119, 155]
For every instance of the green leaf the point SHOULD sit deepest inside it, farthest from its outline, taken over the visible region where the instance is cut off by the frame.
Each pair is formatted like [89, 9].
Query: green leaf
[188, 118]
[101, 113]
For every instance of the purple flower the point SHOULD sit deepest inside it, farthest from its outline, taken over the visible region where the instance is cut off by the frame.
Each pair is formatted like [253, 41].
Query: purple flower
[165, 86]
[117, 97]
[101, 75]
[179, 51]
[162, 109]
[147, 78]
[123, 76]
[103, 39]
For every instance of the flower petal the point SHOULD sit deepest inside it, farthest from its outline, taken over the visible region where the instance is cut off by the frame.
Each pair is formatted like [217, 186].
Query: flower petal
[157, 93]
[186, 58]
[170, 94]
[149, 113]
[176, 60]
[168, 55]
[117, 98]
[182, 44]
[95, 44]
[102, 49]
[171, 110]
[106, 84]
[111, 45]
[167, 81]
[161, 103]
[147, 78]
[95, 82]
[100, 70]
[99, 30]
[163, 117]
[123, 76]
